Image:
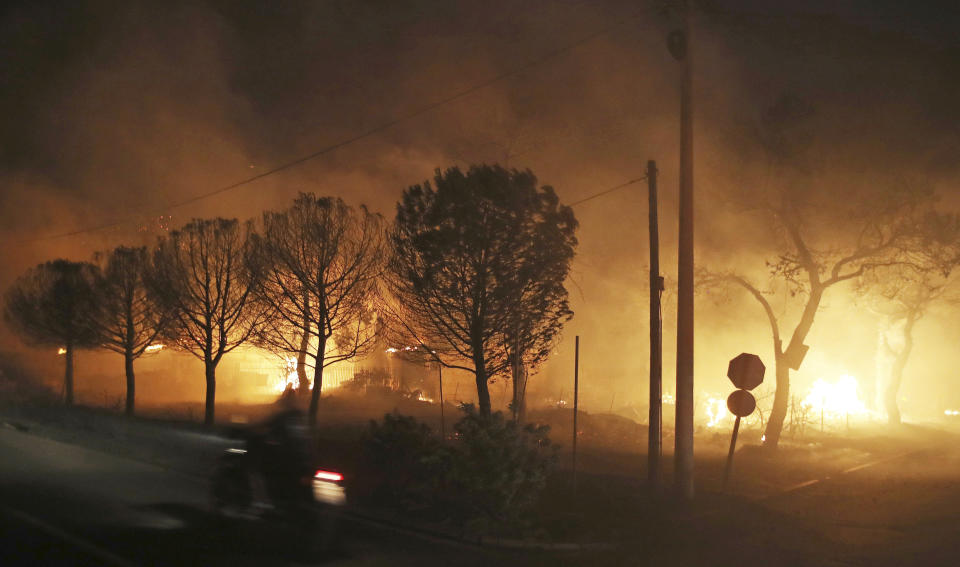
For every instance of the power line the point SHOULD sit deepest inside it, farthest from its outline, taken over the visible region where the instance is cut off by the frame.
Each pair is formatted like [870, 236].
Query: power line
[610, 190]
[553, 54]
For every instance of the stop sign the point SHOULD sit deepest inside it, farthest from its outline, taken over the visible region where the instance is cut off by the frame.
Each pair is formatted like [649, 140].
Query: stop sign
[746, 371]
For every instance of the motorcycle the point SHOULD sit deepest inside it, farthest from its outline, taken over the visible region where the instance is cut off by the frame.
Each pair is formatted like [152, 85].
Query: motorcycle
[262, 481]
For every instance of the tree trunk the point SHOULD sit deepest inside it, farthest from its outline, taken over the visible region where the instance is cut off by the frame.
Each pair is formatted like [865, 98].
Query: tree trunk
[317, 382]
[781, 397]
[890, 397]
[519, 404]
[483, 392]
[304, 345]
[128, 355]
[208, 410]
[131, 382]
[522, 415]
[68, 375]
[515, 402]
[782, 394]
[896, 376]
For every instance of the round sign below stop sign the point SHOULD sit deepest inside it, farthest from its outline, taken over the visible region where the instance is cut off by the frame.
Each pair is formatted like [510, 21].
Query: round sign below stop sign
[746, 371]
[741, 403]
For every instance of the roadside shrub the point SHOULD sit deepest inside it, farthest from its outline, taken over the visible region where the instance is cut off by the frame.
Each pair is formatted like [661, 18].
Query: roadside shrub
[488, 477]
[404, 458]
[499, 468]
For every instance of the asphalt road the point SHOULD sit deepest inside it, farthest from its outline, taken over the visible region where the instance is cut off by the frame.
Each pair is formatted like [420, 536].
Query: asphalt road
[899, 511]
[61, 504]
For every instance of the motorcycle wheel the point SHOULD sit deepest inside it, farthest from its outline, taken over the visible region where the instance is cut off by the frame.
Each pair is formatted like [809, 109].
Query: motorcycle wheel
[231, 490]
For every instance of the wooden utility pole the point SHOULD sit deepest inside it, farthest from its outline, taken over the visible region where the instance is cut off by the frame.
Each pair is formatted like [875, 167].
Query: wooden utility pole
[576, 393]
[654, 435]
[683, 448]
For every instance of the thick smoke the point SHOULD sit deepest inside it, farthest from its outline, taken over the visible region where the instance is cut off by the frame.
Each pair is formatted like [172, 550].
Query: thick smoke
[117, 113]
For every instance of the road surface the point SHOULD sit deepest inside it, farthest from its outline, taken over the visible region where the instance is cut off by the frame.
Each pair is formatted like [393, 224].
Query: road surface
[61, 504]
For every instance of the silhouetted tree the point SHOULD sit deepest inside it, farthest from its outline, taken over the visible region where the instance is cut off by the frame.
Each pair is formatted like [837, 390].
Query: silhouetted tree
[322, 260]
[478, 268]
[821, 236]
[907, 291]
[129, 319]
[204, 275]
[882, 236]
[53, 305]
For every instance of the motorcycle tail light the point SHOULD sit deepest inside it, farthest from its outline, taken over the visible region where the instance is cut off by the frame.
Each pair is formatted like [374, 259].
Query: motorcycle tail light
[328, 475]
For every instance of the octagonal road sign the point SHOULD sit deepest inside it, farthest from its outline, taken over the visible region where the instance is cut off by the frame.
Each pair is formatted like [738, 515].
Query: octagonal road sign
[741, 403]
[746, 371]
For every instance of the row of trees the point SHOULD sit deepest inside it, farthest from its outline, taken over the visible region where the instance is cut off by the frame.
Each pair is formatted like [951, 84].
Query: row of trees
[471, 273]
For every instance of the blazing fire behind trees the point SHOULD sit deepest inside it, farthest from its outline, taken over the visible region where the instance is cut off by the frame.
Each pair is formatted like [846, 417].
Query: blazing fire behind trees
[321, 261]
[213, 109]
[822, 237]
[205, 275]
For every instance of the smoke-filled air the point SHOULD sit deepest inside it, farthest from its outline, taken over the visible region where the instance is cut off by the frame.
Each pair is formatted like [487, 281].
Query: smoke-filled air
[446, 212]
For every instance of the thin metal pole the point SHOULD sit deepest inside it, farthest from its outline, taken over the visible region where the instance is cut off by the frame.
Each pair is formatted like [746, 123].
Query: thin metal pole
[576, 392]
[443, 425]
[654, 431]
[733, 448]
[683, 450]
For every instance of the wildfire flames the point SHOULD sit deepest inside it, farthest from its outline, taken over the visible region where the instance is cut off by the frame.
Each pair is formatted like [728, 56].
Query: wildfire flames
[288, 376]
[836, 400]
[716, 410]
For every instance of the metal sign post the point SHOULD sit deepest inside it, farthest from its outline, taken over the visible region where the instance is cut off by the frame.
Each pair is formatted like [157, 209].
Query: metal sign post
[741, 403]
[746, 372]
[576, 392]
[443, 424]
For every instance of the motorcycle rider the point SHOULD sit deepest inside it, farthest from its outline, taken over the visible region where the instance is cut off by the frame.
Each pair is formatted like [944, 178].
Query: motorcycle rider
[280, 450]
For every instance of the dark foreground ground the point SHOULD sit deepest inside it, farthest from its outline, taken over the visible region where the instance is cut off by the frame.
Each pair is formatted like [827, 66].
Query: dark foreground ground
[73, 492]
